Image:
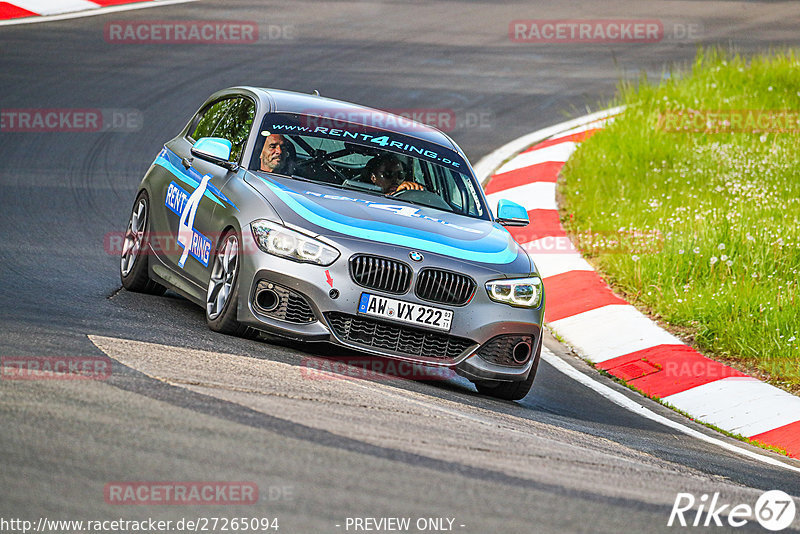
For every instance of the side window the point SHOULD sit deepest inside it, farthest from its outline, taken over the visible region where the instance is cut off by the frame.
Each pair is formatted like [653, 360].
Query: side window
[230, 119]
[235, 126]
[210, 117]
[454, 186]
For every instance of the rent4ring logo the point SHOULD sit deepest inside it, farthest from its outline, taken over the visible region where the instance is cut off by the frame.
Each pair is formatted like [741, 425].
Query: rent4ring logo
[774, 510]
[185, 206]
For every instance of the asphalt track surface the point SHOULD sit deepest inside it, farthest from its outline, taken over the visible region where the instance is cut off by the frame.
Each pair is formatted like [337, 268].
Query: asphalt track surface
[186, 404]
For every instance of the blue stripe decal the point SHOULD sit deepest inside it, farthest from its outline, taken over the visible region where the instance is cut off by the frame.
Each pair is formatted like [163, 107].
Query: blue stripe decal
[193, 178]
[388, 233]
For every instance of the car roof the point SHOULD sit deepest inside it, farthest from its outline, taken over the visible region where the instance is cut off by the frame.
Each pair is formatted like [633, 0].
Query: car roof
[280, 101]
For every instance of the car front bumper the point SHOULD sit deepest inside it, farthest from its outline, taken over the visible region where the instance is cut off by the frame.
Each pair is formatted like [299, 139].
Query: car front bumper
[473, 327]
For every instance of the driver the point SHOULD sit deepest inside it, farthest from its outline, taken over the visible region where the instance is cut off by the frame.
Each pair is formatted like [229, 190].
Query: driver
[277, 155]
[386, 171]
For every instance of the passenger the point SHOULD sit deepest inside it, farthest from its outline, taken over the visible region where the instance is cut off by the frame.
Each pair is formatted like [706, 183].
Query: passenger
[386, 171]
[277, 155]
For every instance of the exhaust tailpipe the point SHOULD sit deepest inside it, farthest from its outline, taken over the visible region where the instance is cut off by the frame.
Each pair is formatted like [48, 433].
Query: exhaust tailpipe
[267, 300]
[521, 352]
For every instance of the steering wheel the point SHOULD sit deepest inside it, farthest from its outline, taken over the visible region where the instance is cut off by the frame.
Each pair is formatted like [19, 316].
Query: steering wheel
[402, 193]
[318, 162]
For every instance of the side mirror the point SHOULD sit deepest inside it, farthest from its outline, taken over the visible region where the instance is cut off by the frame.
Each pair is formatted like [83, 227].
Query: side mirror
[216, 150]
[511, 214]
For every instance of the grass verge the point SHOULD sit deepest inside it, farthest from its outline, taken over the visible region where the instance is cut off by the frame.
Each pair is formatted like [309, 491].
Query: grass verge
[689, 205]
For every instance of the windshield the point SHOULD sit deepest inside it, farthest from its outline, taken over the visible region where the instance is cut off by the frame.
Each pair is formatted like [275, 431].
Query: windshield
[379, 163]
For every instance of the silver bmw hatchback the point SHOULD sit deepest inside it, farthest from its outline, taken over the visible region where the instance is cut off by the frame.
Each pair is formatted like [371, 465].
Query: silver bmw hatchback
[320, 220]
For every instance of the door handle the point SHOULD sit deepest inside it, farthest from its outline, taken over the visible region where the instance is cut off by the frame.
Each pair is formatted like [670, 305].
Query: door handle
[187, 162]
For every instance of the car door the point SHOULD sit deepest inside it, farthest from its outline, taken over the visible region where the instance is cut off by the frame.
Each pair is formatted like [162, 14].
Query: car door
[196, 193]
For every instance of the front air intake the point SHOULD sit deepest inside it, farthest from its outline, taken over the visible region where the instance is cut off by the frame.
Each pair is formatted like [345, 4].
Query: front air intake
[445, 287]
[383, 274]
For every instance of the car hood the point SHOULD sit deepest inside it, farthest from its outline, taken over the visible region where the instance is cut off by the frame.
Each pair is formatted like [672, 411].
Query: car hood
[333, 212]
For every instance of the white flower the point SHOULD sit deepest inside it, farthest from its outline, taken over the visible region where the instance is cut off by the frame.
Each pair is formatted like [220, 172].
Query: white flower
[634, 257]
[723, 257]
[721, 246]
[729, 263]
[754, 275]
[680, 251]
[769, 88]
[712, 260]
[791, 339]
[763, 138]
[696, 250]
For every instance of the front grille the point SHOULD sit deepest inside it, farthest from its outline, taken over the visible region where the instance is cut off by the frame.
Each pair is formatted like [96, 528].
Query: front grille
[292, 306]
[499, 350]
[445, 287]
[383, 274]
[403, 340]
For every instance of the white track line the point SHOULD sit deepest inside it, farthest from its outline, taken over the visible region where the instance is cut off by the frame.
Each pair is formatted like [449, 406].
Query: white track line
[92, 12]
[54, 7]
[629, 404]
[533, 196]
[742, 405]
[560, 152]
[555, 255]
[610, 331]
[487, 165]
[555, 263]
[484, 170]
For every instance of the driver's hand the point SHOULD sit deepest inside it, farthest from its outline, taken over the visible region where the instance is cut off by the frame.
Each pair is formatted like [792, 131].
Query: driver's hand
[408, 186]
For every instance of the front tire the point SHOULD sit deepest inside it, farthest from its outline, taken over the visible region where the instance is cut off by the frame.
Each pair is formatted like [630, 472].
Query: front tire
[133, 262]
[223, 288]
[513, 390]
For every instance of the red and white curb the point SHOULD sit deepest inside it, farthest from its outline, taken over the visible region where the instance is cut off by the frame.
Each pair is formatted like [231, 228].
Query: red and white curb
[28, 11]
[604, 328]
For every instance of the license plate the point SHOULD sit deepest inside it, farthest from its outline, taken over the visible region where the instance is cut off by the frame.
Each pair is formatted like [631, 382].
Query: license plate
[407, 312]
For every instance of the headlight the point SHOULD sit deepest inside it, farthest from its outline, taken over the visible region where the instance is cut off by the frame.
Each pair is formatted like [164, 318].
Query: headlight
[526, 292]
[280, 241]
